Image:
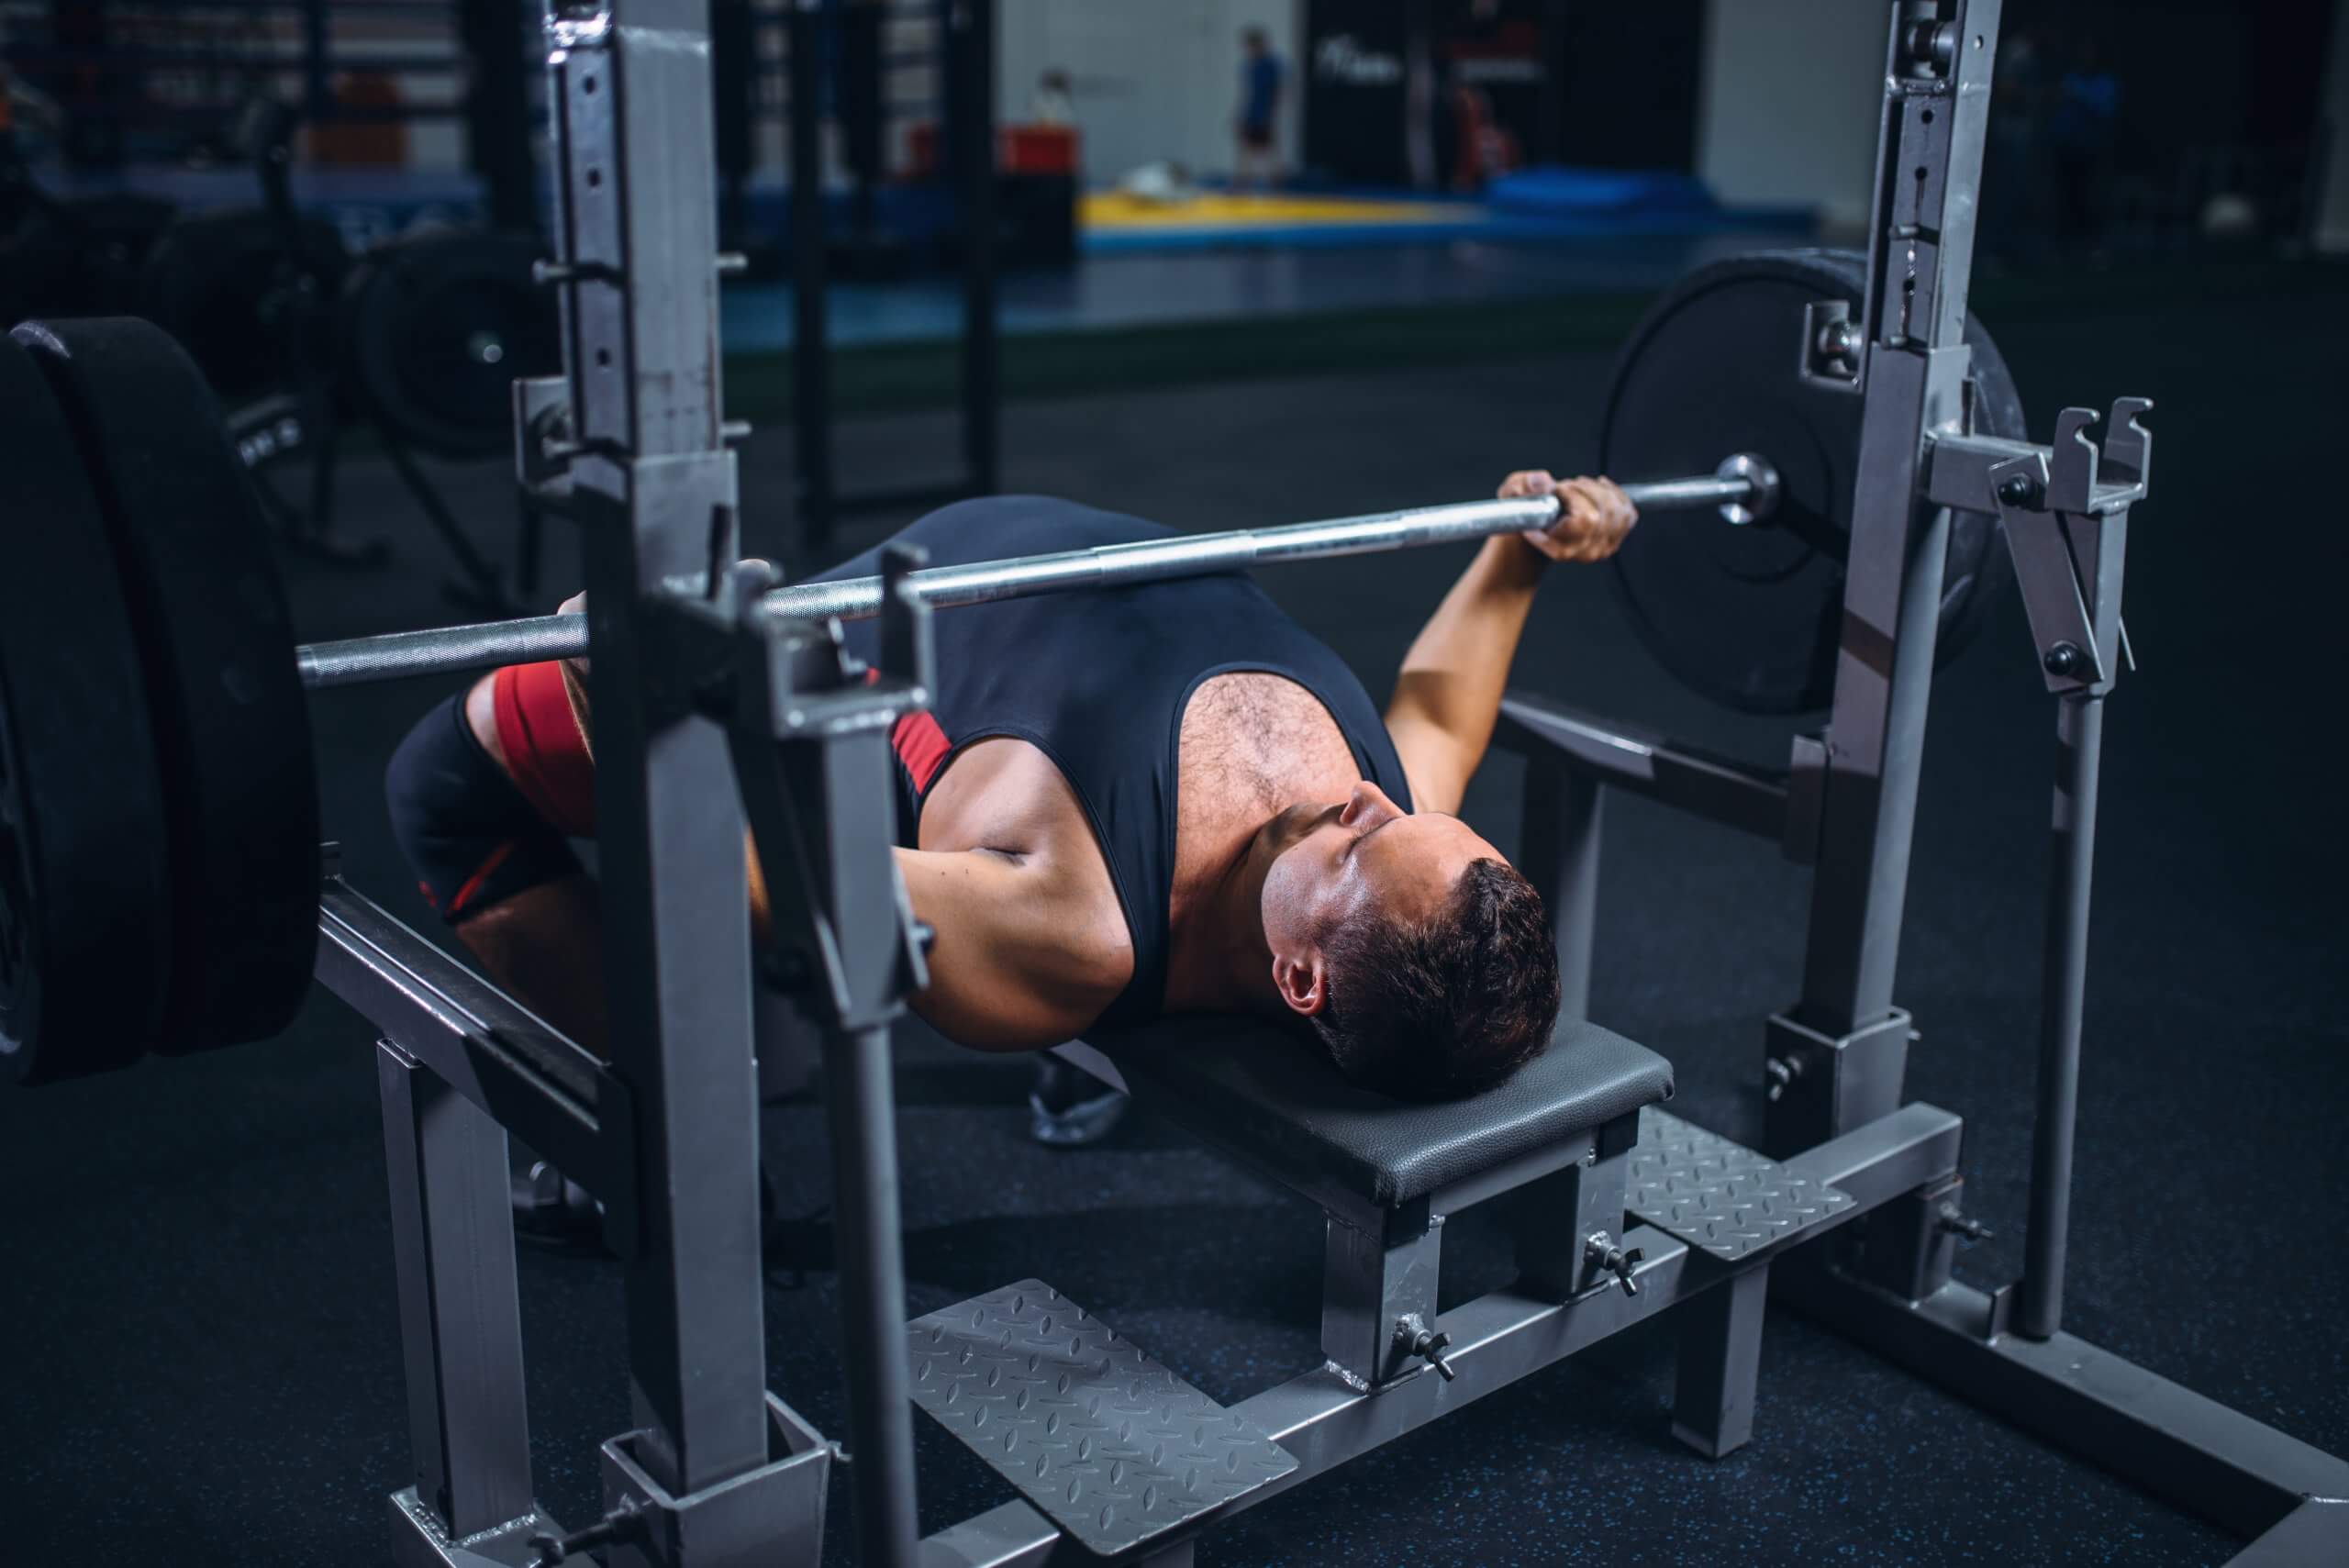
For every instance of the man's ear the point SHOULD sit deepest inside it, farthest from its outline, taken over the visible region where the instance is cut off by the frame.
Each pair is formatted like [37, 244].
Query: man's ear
[1299, 982]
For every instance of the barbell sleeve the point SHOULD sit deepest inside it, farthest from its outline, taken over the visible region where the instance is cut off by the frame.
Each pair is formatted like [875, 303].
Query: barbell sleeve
[449, 650]
[441, 650]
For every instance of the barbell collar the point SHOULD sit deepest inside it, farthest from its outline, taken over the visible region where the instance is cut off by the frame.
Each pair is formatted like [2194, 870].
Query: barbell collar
[1744, 482]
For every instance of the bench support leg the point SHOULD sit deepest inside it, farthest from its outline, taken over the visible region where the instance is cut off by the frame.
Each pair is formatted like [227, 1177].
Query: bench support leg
[461, 1325]
[1370, 1282]
[1555, 1216]
[1720, 1359]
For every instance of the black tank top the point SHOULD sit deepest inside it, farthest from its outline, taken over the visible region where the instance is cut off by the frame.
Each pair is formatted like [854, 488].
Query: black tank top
[1097, 681]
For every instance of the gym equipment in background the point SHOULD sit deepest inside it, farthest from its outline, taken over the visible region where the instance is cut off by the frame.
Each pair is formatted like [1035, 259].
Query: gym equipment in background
[419, 338]
[964, 61]
[437, 327]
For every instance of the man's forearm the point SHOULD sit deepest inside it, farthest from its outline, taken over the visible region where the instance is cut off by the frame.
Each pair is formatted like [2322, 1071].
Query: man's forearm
[1448, 693]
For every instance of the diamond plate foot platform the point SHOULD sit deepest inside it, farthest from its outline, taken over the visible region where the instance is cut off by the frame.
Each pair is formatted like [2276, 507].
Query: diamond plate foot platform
[1113, 1447]
[1720, 1197]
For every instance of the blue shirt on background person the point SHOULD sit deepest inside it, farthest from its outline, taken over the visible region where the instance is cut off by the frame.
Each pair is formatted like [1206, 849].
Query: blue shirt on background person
[1260, 89]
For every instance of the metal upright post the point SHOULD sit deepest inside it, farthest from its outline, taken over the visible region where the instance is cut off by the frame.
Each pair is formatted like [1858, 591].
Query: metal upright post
[815, 487]
[497, 112]
[863, 1106]
[2079, 727]
[1842, 1051]
[1560, 850]
[654, 486]
[972, 83]
[318, 75]
[809, 732]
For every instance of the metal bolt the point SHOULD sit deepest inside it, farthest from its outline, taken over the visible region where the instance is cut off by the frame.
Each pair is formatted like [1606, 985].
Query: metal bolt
[2019, 490]
[1416, 1340]
[2062, 659]
[1839, 343]
[1599, 1249]
[1933, 46]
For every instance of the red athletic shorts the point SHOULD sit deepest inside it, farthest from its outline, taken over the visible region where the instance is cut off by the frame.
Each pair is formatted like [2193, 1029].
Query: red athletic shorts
[548, 756]
[544, 750]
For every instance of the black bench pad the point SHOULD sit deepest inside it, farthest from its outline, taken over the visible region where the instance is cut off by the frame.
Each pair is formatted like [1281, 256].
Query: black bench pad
[1257, 1086]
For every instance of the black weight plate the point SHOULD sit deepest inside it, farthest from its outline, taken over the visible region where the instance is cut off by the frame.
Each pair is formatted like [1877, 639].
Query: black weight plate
[36, 268]
[1751, 617]
[215, 280]
[231, 728]
[76, 258]
[437, 328]
[85, 915]
[112, 236]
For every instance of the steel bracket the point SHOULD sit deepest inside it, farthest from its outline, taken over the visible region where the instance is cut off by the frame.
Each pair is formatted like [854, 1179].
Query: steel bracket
[775, 1513]
[811, 755]
[1819, 1087]
[2065, 510]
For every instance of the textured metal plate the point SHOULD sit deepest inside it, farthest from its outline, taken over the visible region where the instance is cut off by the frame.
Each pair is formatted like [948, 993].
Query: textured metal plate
[1115, 1448]
[1720, 1197]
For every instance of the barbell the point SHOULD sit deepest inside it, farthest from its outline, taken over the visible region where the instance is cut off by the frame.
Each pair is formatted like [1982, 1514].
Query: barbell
[159, 815]
[1744, 485]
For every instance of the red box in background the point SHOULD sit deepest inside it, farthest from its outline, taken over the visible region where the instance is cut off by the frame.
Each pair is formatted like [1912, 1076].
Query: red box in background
[1019, 150]
[1036, 148]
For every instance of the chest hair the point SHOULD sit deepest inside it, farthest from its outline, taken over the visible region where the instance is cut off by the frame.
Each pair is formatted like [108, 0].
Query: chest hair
[1252, 744]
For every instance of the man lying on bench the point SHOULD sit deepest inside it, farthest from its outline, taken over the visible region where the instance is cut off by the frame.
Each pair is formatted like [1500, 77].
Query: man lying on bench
[1163, 798]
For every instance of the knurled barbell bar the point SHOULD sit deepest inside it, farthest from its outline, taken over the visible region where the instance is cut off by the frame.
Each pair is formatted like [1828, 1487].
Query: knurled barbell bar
[1744, 487]
[159, 814]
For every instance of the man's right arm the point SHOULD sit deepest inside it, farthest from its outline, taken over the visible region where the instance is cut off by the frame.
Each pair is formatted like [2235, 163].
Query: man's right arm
[1009, 970]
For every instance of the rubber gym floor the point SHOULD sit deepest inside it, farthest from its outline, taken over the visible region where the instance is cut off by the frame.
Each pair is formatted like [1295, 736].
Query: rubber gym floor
[203, 1360]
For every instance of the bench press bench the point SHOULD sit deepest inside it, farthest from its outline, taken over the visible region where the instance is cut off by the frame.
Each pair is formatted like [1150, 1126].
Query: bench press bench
[1388, 1173]
[1619, 1210]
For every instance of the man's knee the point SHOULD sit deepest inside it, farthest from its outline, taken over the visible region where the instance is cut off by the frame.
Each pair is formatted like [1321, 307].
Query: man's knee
[469, 834]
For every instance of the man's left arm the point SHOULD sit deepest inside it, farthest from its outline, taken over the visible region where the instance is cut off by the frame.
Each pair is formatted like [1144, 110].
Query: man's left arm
[1448, 693]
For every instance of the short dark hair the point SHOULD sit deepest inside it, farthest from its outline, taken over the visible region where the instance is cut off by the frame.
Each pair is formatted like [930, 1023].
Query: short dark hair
[1448, 1007]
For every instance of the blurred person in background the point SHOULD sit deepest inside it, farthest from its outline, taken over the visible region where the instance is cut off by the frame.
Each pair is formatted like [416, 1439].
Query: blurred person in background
[1261, 74]
[1054, 102]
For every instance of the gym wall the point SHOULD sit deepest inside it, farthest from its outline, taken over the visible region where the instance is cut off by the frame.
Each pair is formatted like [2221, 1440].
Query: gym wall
[1152, 78]
[1788, 108]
